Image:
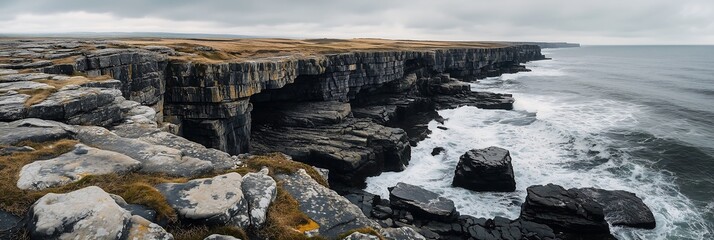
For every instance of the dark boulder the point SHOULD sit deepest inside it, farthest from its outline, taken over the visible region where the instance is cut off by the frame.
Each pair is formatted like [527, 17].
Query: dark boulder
[437, 151]
[422, 202]
[569, 211]
[622, 208]
[487, 169]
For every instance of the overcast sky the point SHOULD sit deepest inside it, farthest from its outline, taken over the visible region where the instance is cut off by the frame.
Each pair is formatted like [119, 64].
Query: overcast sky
[587, 22]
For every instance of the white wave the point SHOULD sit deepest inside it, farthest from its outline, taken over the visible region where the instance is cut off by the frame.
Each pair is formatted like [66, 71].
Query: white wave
[557, 139]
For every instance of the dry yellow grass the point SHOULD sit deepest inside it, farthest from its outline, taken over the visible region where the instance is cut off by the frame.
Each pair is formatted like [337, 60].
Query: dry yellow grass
[255, 48]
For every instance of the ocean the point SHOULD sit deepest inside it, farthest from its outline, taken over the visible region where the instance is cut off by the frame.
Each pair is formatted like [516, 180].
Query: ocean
[634, 118]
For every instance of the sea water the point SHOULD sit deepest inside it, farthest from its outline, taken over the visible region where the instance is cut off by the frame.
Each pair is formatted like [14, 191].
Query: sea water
[633, 118]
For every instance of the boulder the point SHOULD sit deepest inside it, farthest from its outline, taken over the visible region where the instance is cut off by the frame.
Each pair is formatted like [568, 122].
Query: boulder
[401, 233]
[564, 210]
[422, 202]
[260, 191]
[220, 237]
[487, 169]
[334, 213]
[73, 166]
[437, 151]
[360, 236]
[218, 200]
[87, 213]
[9, 224]
[144, 229]
[622, 208]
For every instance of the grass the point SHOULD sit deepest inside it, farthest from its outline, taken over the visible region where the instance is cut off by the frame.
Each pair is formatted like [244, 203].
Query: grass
[256, 48]
[284, 221]
[37, 95]
[277, 163]
[199, 232]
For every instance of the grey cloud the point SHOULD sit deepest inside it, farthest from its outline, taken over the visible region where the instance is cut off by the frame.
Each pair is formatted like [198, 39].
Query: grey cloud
[453, 19]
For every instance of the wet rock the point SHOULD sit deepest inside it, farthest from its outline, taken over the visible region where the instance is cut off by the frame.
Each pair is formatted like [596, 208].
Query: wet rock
[144, 229]
[218, 200]
[73, 166]
[437, 151]
[260, 191]
[360, 236]
[401, 233]
[622, 208]
[502, 228]
[487, 169]
[153, 158]
[332, 212]
[422, 202]
[68, 216]
[564, 210]
[483, 100]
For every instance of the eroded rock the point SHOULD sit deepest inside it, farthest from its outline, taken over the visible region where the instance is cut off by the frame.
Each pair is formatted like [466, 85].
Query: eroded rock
[622, 208]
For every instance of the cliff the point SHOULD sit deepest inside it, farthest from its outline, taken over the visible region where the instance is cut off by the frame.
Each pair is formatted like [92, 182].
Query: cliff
[173, 119]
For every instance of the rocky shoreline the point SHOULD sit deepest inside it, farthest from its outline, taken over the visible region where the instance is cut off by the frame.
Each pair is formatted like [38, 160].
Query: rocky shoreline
[109, 140]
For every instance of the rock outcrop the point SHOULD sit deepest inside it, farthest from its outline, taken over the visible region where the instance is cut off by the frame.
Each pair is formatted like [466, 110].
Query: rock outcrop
[622, 208]
[333, 213]
[487, 169]
[564, 210]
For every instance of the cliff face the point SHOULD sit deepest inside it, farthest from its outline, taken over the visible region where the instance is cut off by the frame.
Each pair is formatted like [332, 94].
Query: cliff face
[212, 102]
[343, 111]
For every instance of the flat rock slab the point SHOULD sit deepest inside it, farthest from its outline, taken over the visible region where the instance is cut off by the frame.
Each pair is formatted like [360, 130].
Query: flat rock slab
[622, 208]
[564, 210]
[34, 130]
[153, 158]
[487, 169]
[73, 166]
[217, 200]
[423, 202]
[334, 213]
[360, 236]
[88, 213]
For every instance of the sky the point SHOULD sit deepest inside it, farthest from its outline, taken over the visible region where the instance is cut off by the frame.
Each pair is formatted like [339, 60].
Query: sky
[586, 22]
